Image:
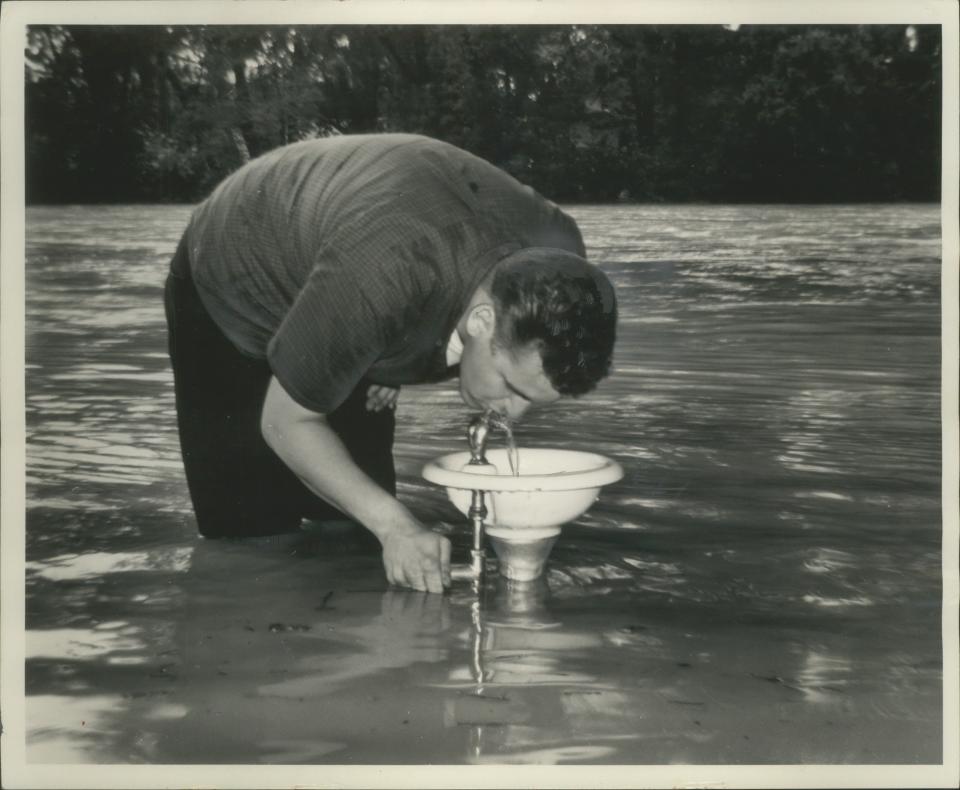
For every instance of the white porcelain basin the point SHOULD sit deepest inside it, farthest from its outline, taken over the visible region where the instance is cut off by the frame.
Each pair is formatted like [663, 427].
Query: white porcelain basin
[553, 487]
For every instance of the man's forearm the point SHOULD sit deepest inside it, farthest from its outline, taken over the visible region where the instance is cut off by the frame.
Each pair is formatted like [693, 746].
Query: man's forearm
[412, 555]
[312, 450]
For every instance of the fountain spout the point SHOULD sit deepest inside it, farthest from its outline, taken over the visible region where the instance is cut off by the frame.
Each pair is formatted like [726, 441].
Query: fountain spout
[478, 431]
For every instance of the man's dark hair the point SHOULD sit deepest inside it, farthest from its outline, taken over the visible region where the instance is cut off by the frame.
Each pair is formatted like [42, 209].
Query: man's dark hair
[563, 305]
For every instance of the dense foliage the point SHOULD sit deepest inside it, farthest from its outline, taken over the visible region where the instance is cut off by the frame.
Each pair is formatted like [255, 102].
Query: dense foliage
[583, 113]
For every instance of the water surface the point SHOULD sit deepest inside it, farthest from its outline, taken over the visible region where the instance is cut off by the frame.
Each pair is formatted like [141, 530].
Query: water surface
[763, 586]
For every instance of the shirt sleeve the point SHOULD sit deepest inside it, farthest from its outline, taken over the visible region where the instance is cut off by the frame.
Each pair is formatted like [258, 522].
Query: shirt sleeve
[330, 337]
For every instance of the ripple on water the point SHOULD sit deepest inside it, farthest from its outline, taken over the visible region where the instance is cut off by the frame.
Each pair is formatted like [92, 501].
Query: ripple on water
[824, 560]
[820, 600]
[96, 564]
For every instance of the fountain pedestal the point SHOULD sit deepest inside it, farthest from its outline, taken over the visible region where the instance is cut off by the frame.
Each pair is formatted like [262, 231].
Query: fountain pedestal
[522, 553]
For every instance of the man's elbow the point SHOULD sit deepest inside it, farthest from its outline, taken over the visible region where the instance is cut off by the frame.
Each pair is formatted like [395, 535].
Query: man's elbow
[274, 418]
[270, 428]
[281, 417]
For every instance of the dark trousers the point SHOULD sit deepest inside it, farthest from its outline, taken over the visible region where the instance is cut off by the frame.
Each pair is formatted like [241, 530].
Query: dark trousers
[239, 487]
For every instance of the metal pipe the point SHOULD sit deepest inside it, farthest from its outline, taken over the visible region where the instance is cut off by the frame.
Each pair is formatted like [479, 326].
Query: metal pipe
[476, 514]
[477, 432]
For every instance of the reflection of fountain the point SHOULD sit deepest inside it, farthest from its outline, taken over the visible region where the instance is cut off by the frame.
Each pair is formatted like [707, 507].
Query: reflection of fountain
[514, 605]
[551, 487]
[523, 672]
[522, 605]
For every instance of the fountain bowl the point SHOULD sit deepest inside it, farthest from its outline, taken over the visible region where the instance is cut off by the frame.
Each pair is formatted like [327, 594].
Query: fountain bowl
[552, 487]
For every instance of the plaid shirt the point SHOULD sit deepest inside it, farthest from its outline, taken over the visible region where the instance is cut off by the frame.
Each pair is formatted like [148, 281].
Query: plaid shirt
[355, 256]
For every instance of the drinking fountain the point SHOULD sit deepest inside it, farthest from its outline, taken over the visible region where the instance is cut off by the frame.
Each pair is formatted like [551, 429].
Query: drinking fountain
[521, 503]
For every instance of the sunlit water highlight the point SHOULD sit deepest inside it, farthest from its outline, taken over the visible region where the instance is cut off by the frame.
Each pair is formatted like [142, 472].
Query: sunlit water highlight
[762, 586]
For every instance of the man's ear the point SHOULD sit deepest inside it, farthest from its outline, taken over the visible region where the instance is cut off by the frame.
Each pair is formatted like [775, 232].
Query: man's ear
[481, 321]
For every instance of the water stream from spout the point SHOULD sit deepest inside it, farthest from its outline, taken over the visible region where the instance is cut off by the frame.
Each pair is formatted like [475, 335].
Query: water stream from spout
[513, 454]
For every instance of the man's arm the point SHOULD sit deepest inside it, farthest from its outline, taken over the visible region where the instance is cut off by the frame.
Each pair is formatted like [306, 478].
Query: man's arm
[413, 556]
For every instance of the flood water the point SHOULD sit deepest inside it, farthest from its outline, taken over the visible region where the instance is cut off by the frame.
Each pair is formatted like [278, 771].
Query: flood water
[763, 586]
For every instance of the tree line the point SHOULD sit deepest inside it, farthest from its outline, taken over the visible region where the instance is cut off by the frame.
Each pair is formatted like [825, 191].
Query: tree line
[582, 113]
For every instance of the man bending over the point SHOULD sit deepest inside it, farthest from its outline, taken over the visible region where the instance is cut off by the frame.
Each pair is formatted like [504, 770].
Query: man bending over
[318, 279]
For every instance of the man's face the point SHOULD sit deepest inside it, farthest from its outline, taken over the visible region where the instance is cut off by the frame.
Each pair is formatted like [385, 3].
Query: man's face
[492, 377]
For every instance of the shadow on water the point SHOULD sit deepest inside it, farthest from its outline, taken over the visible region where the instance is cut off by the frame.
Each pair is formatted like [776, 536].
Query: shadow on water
[763, 586]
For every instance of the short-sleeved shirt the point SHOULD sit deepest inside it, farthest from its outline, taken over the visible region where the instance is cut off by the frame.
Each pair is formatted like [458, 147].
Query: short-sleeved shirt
[354, 257]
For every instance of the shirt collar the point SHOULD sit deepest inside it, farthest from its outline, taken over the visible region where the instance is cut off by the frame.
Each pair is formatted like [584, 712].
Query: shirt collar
[454, 348]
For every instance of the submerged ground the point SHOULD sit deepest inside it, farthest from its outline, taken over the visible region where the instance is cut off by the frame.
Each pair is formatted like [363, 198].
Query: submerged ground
[762, 587]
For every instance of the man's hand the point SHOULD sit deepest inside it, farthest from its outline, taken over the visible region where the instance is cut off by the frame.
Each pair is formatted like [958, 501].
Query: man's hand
[418, 558]
[380, 396]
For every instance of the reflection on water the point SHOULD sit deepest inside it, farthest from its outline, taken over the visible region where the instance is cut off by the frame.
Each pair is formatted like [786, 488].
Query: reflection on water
[762, 586]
